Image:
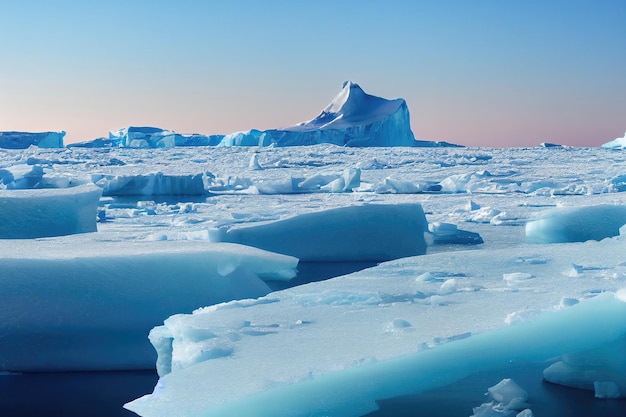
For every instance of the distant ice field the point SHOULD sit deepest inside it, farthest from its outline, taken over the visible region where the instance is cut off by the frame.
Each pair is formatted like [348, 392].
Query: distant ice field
[220, 186]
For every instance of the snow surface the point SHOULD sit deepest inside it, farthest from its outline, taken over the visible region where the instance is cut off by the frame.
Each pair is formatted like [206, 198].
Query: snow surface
[22, 140]
[402, 327]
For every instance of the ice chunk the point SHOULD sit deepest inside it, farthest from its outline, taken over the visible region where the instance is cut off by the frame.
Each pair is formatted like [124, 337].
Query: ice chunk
[251, 137]
[576, 224]
[375, 232]
[508, 394]
[447, 233]
[602, 369]
[76, 303]
[508, 398]
[22, 140]
[619, 143]
[143, 137]
[28, 214]
[606, 389]
[513, 277]
[392, 186]
[254, 163]
[156, 183]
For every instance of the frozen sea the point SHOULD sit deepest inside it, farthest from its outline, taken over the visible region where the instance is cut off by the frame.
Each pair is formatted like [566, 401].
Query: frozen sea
[170, 195]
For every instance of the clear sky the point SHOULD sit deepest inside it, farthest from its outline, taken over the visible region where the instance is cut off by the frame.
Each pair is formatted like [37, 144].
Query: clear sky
[474, 72]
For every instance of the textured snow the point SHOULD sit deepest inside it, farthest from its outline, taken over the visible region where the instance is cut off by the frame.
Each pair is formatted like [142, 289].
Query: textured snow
[404, 326]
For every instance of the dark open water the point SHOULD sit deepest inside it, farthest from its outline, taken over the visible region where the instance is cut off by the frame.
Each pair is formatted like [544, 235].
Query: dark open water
[102, 394]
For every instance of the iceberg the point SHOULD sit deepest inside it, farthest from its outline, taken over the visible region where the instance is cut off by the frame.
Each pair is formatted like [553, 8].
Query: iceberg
[152, 137]
[83, 303]
[143, 137]
[22, 140]
[353, 118]
[28, 214]
[618, 143]
[252, 137]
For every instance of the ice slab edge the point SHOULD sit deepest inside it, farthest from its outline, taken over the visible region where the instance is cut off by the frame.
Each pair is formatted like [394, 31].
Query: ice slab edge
[374, 232]
[78, 304]
[34, 213]
[353, 392]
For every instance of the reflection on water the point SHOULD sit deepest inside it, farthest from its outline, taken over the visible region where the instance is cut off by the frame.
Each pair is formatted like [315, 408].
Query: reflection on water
[102, 394]
[72, 394]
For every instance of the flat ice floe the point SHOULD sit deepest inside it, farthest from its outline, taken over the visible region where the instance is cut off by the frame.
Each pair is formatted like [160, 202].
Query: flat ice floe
[334, 347]
[375, 232]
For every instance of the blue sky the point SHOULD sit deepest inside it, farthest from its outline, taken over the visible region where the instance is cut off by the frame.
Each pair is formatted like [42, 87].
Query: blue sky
[478, 73]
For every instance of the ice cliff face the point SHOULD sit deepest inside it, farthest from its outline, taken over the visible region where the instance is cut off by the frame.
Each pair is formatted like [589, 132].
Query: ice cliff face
[353, 118]
[154, 137]
[22, 140]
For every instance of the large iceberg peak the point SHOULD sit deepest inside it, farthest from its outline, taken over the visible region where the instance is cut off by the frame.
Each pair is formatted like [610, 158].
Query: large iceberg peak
[352, 106]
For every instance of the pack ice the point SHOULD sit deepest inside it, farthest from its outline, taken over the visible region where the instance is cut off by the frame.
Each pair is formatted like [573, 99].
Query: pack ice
[169, 254]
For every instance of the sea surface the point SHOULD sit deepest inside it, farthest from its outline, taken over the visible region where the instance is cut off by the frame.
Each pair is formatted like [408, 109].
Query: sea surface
[102, 394]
